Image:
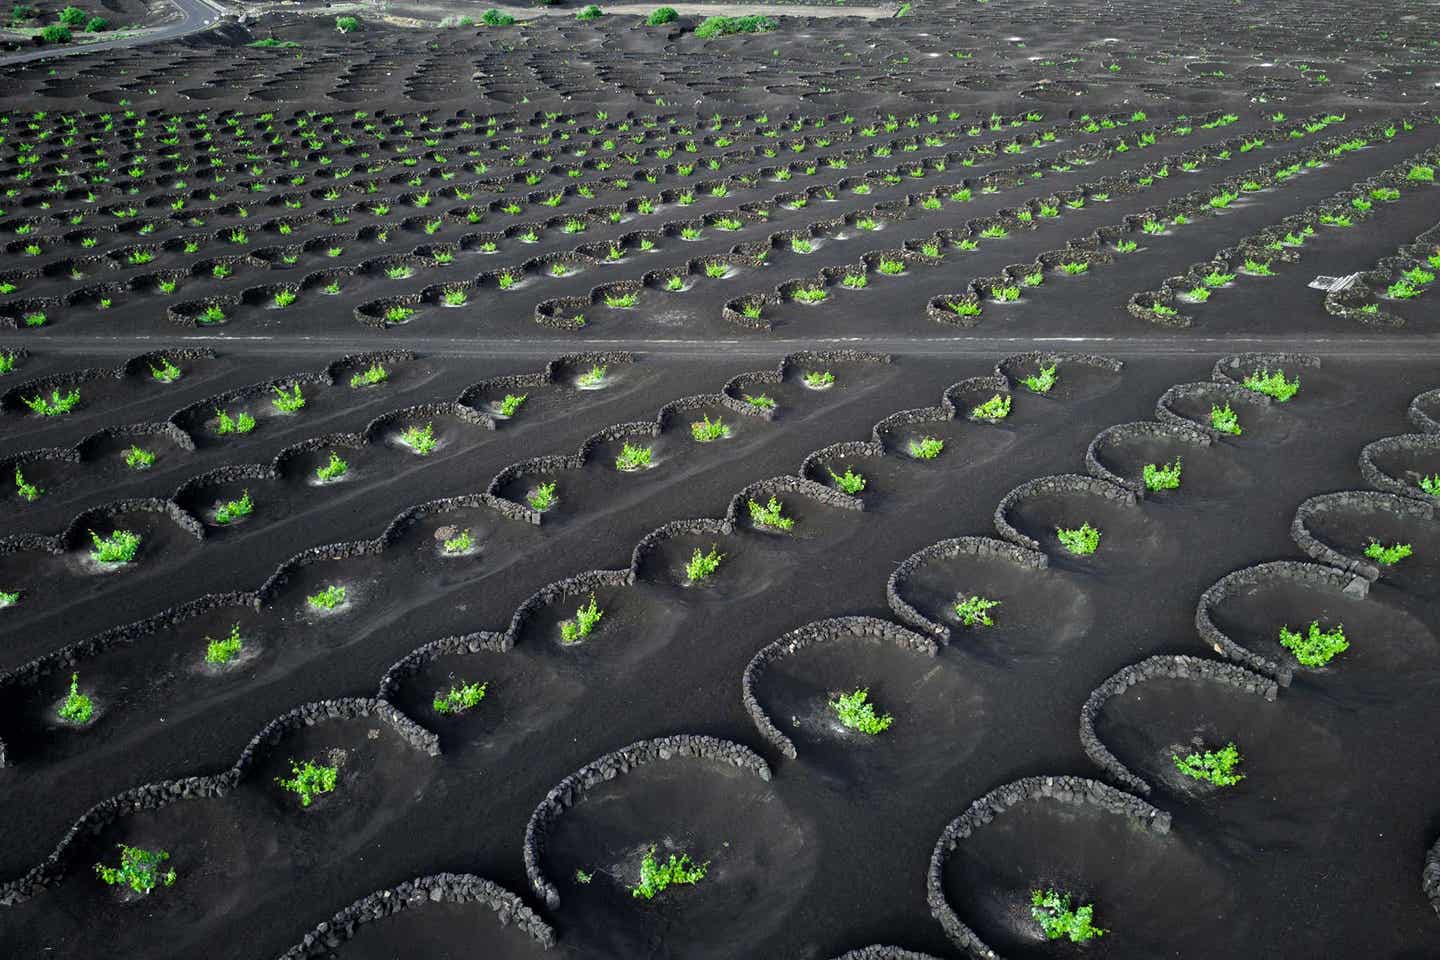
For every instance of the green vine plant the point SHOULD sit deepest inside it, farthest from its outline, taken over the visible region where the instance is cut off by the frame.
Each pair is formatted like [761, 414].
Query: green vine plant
[1057, 920]
[1217, 767]
[656, 877]
[1315, 647]
[1162, 476]
[460, 698]
[1273, 384]
[857, 712]
[1387, 556]
[975, 611]
[573, 631]
[702, 565]
[1042, 382]
[140, 870]
[309, 780]
[1082, 541]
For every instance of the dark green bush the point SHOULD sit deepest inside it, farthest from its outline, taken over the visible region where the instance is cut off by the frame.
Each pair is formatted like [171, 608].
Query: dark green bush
[73, 17]
[97, 25]
[723, 26]
[347, 24]
[494, 18]
[663, 15]
[55, 33]
[591, 12]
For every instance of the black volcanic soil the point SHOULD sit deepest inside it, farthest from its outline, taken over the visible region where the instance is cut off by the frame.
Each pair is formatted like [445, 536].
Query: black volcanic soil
[363, 176]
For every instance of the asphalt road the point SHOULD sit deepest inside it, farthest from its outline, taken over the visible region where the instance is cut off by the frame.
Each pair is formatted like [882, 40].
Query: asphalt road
[195, 16]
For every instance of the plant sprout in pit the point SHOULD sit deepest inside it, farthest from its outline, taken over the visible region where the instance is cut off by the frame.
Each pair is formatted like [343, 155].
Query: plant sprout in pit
[1082, 540]
[459, 699]
[1272, 384]
[77, 708]
[235, 509]
[633, 457]
[1315, 647]
[655, 876]
[1430, 484]
[120, 547]
[309, 780]
[1215, 767]
[288, 401]
[573, 631]
[225, 424]
[328, 599]
[592, 377]
[926, 448]
[707, 430]
[770, 515]
[1224, 420]
[701, 565]
[223, 651]
[166, 372]
[140, 870]
[1162, 476]
[856, 712]
[138, 458]
[760, 401]
[510, 404]
[996, 408]
[1052, 911]
[817, 380]
[333, 470]
[542, 497]
[850, 481]
[26, 490]
[1043, 381]
[57, 404]
[420, 439]
[1387, 556]
[975, 610]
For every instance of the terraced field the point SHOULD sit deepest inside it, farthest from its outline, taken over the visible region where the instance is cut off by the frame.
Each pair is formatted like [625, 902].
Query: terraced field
[950, 485]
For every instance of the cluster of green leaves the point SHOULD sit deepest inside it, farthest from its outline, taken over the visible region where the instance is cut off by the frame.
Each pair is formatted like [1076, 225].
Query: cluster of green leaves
[770, 515]
[975, 610]
[510, 404]
[926, 448]
[634, 457]
[9, 598]
[1083, 540]
[1052, 911]
[1315, 647]
[235, 509]
[139, 869]
[494, 18]
[1272, 384]
[1225, 419]
[333, 470]
[996, 408]
[655, 876]
[542, 497]
[166, 372]
[1212, 766]
[309, 780]
[225, 424]
[119, 547]
[459, 699]
[26, 490]
[462, 542]
[706, 430]
[850, 481]
[661, 16]
[590, 12]
[701, 565]
[592, 377]
[1042, 382]
[573, 631]
[1162, 476]
[857, 712]
[347, 24]
[1430, 484]
[816, 379]
[420, 439]
[77, 708]
[723, 26]
[288, 401]
[369, 377]
[1389, 556]
[226, 649]
[55, 405]
[328, 599]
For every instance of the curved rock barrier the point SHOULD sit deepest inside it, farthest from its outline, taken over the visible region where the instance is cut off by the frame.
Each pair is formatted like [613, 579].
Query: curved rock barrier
[1026, 557]
[1233, 369]
[417, 894]
[1424, 411]
[821, 631]
[1072, 483]
[1411, 443]
[1364, 500]
[1151, 668]
[1224, 389]
[1110, 436]
[1308, 574]
[1068, 790]
[568, 792]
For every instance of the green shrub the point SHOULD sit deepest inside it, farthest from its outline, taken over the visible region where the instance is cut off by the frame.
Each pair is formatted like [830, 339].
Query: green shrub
[856, 712]
[1315, 647]
[996, 408]
[420, 439]
[542, 497]
[817, 379]
[591, 12]
[1430, 484]
[167, 372]
[77, 708]
[723, 26]
[9, 598]
[1273, 384]
[26, 490]
[73, 16]
[459, 699]
[593, 377]
[661, 16]
[139, 869]
[309, 780]
[462, 542]
[1214, 767]
[56, 405]
[975, 610]
[707, 430]
[573, 631]
[333, 470]
[1082, 541]
[1052, 911]
[511, 403]
[850, 482]
[235, 509]
[760, 401]
[655, 877]
[1162, 476]
[347, 24]
[119, 547]
[224, 650]
[375, 373]
[225, 424]
[926, 448]
[633, 458]
[1225, 420]
[494, 18]
[328, 599]
[97, 25]
[769, 515]
[1389, 556]
[702, 565]
[1042, 382]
